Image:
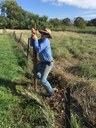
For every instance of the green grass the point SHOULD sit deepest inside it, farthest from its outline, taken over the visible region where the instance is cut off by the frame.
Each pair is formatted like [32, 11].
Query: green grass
[76, 122]
[58, 49]
[87, 70]
[8, 103]
[90, 30]
[81, 47]
[9, 68]
[16, 110]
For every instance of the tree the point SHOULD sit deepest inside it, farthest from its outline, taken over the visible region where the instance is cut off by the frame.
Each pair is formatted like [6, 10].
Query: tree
[13, 13]
[43, 18]
[92, 22]
[55, 22]
[43, 22]
[79, 22]
[67, 22]
[3, 22]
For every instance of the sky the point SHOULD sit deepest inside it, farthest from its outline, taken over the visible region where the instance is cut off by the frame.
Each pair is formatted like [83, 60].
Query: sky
[60, 8]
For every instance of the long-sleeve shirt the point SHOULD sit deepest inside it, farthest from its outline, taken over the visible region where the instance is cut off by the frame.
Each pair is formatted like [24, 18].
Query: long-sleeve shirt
[42, 47]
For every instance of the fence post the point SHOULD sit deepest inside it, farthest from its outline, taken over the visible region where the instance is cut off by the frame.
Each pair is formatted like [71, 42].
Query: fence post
[28, 48]
[35, 67]
[4, 31]
[14, 35]
[67, 107]
[19, 40]
[34, 60]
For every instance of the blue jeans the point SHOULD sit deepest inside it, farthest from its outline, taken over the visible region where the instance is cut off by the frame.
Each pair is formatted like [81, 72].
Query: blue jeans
[43, 70]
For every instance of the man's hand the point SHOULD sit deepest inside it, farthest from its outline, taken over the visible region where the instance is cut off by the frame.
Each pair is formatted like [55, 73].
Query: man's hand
[34, 32]
[34, 36]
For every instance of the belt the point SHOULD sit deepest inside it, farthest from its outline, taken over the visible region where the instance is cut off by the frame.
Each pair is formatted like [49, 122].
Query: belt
[46, 62]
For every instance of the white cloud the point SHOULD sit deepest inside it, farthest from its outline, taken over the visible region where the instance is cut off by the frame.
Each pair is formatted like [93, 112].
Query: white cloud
[90, 4]
[89, 14]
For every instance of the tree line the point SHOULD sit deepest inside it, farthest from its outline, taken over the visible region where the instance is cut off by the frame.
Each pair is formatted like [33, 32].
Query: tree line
[14, 17]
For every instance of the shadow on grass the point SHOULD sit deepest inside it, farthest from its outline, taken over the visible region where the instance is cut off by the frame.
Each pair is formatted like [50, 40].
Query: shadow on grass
[12, 84]
[8, 84]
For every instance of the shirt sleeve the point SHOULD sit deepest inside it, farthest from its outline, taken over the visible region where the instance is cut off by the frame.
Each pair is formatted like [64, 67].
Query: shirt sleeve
[41, 46]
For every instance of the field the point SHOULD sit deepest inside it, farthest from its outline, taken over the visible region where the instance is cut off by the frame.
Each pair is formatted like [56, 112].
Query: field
[75, 66]
[88, 30]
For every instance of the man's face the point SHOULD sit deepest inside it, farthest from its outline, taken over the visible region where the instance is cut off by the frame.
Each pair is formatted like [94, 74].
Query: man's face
[43, 36]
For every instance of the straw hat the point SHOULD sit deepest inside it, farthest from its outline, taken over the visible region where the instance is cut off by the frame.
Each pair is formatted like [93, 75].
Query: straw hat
[47, 32]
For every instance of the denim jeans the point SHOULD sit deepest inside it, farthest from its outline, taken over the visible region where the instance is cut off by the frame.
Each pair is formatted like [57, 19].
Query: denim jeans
[43, 70]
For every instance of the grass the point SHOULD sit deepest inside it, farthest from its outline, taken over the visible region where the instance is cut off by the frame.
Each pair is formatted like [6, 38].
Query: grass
[82, 48]
[87, 70]
[8, 103]
[76, 122]
[77, 52]
[16, 110]
[9, 68]
[87, 29]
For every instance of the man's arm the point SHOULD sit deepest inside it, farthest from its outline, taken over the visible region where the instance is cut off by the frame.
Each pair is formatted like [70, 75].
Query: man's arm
[40, 47]
[30, 40]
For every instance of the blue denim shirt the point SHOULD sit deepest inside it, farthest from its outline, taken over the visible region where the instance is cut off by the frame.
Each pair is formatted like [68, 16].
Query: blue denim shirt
[42, 47]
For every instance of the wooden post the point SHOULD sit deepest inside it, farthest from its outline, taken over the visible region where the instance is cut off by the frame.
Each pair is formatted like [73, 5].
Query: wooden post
[28, 48]
[67, 107]
[14, 35]
[34, 60]
[35, 67]
[19, 40]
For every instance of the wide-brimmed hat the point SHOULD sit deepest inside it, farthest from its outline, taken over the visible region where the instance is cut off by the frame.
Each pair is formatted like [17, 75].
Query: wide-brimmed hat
[47, 32]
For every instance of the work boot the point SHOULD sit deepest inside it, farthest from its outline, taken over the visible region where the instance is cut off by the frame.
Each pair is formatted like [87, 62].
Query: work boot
[55, 90]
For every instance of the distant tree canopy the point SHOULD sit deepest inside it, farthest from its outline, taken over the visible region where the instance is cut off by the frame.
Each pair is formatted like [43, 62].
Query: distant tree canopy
[92, 22]
[13, 13]
[79, 22]
[14, 17]
[67, 22]
[18, 18]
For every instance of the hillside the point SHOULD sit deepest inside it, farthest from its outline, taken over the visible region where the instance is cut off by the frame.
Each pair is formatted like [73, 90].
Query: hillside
[75, 66]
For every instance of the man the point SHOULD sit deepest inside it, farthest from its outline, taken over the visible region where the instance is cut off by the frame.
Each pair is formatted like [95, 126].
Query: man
[43, 48]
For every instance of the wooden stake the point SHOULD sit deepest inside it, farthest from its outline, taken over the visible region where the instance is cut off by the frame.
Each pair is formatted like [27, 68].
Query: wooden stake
[28, 47]
[34, 66]
[67, 107]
